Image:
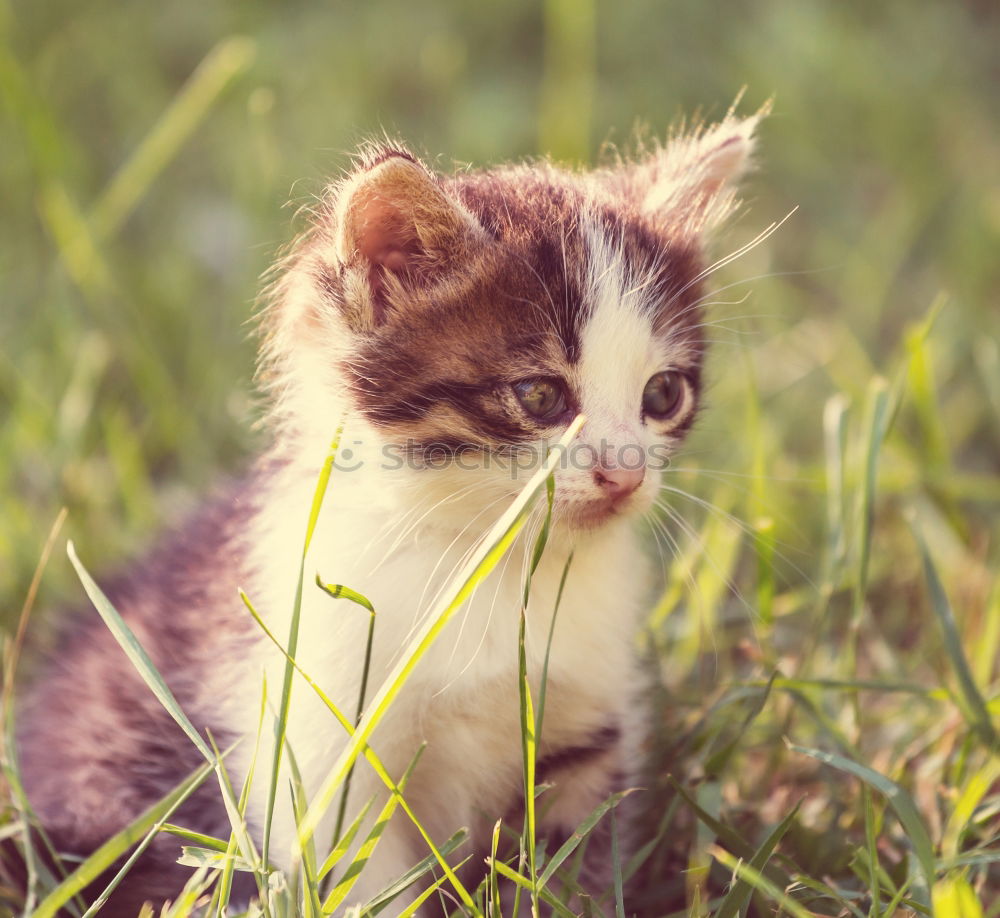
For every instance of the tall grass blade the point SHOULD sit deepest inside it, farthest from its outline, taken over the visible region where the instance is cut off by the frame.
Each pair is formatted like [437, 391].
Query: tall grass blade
[367, 751]
[579, 834]
[955, 898]
[338, 591]
[528, 749]
[758, 881]
[226, 61]
[142, 829]
[483, 560]
[310, 886]
[209, 859]
[281, 726]
[412, 908]
[616, 866]
[835, 443]
[972, 700]
[724, 833]
[344, 841]
[871, 850]
[548, 648]
[876, 428]
[739, 893]
[368, 846]
[384, 898]
[976, 787]
[522, 883]
[137, 654]
[223, 889]
[901, 802]
[149, 674]
[198, 839]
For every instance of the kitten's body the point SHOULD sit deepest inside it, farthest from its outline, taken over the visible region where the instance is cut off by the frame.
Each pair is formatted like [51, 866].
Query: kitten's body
[412, 311]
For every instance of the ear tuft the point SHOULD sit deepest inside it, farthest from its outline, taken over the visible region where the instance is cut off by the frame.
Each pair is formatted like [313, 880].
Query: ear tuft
[688, 185]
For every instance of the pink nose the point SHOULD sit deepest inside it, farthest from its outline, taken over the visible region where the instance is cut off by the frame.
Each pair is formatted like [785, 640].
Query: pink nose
[617, 483]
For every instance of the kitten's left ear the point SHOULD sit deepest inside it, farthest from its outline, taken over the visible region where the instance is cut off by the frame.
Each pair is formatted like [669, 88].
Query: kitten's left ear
[688, 186]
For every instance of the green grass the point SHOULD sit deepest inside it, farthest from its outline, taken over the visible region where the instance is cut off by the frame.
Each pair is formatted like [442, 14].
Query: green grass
[824, 649]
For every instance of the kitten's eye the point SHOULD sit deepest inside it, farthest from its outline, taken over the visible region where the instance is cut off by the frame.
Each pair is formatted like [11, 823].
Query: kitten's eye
[541, 398]
[663, 395]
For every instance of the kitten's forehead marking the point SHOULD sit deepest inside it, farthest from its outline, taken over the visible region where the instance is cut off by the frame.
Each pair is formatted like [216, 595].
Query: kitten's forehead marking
[619, 351]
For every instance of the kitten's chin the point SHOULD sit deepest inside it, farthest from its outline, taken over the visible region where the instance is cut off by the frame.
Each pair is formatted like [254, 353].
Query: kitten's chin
[583, 516]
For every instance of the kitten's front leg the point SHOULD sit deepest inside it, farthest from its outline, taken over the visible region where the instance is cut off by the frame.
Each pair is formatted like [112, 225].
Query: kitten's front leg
[583, 776]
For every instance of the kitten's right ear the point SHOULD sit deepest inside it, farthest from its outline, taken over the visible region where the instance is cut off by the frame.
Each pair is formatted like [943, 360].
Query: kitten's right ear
[397, 229]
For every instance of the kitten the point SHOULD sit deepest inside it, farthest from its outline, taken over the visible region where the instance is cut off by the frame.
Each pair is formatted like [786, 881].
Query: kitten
[456, 324]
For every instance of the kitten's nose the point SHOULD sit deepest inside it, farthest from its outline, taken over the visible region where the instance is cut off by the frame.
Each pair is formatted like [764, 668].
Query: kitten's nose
[618, 482]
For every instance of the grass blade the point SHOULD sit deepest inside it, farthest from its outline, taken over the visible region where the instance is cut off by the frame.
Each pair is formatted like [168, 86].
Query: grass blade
[226, 61]
[142, 829]
[616, 864]
[522, 883]
[973, 703]
[374, 906]
[758, 881]
[344, 886]
[197, 838]
[137, 654]
[739, 894]
[411, 909]
[209, 859]
[367, 751]
[878, 423]
[344, 841]
[310, 885]
[528, 750]
[901, 802]
[281, 727]
[484, 559]
[579, 834]
[955, 898]
[149, 674]
[339, 591]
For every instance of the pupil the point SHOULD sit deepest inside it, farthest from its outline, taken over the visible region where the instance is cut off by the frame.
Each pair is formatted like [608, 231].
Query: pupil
[662, 395]
[540, 398]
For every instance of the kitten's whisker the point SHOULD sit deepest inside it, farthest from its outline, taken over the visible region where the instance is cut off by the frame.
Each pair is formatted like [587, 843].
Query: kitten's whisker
[720, 474]
[421, 610]
[725, 578]
[766, 233]
[451, 496]
[465, 554]
[694, 587]
[733, 520]
[522, 544]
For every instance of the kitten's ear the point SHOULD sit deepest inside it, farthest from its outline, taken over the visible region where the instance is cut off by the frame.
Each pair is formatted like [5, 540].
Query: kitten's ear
[395, 222]
[688, 186]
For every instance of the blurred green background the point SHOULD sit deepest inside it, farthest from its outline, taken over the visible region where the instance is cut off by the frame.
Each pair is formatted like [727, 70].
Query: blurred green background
[148, 153]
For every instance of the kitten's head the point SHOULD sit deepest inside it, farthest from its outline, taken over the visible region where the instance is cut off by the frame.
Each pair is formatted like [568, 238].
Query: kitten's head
[461, 322]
